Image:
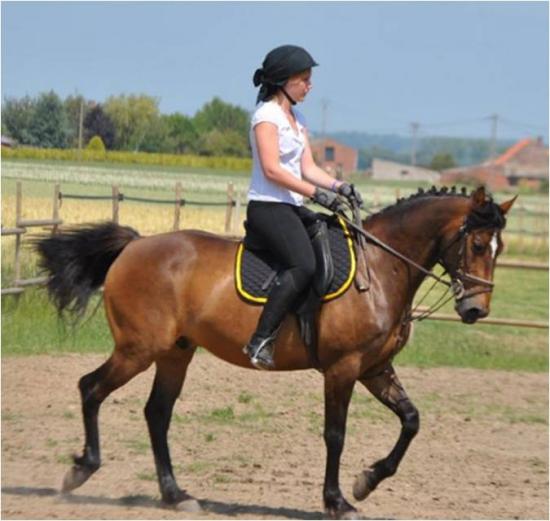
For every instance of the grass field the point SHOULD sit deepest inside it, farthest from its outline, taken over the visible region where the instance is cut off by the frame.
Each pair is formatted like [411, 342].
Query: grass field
[30, 326]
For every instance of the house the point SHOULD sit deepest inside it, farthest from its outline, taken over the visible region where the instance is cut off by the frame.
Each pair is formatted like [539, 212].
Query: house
[8, 142]
[390, 170]
[524, 163]
[334, 157]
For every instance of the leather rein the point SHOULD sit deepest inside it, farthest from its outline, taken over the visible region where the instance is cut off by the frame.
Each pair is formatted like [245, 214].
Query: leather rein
[458, 279]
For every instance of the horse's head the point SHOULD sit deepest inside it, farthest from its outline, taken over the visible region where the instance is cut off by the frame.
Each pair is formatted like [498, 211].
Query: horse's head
[469, 252]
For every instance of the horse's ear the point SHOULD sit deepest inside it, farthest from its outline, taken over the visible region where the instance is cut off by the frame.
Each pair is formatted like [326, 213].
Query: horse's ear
[478, 196]
[506, 205]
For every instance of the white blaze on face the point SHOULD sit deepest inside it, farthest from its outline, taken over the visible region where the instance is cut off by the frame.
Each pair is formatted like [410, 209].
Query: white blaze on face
[494, 245]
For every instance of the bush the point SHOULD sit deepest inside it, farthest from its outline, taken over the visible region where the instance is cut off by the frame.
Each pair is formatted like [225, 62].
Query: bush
[238, 164]
[96, 144]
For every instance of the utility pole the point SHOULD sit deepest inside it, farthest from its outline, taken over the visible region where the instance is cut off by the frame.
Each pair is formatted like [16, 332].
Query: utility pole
[414, 130]
[324, 109]
[80, 124]
[493, 144]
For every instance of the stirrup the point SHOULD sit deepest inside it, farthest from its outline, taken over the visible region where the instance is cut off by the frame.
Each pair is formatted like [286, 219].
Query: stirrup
[260, 351]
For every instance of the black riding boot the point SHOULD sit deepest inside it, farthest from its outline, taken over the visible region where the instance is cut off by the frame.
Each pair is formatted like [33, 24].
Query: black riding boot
[281, 297]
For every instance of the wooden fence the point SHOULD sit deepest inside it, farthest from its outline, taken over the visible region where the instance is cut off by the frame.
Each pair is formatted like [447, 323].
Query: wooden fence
[232, 218]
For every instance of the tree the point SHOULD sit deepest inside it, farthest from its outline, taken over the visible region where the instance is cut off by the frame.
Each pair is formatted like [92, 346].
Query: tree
[16, 118]
[98, 123]
[48, 125]
[132, 116]
[182, 135]
[223, 143]
[442, 161]
[221, 116]
[156, 138]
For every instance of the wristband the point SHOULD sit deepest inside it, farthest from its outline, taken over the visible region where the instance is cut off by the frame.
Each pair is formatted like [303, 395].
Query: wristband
[333, 187]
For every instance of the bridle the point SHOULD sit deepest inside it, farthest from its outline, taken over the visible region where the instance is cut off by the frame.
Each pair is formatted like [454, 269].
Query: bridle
[459, 276]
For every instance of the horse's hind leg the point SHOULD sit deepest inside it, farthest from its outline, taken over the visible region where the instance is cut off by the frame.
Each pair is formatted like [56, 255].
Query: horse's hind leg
[94, 388]
[387, 388]
[169, 378]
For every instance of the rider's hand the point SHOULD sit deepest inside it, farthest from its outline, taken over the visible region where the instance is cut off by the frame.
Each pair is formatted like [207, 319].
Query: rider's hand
[328, 200]
[351, 194]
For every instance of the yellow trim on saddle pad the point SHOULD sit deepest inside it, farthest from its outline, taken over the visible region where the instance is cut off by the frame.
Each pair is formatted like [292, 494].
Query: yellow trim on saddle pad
[330, 296]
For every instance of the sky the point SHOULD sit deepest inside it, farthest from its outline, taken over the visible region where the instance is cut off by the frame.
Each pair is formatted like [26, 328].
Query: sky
[382, 65]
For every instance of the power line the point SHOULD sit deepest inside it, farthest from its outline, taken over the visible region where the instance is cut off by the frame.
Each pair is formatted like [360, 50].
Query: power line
[524, 125]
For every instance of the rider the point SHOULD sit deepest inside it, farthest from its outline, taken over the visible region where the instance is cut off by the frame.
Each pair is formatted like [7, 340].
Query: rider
[283, 173]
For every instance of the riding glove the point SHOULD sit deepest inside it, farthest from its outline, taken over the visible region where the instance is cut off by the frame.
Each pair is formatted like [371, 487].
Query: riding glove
[328, 200]
[351, 194]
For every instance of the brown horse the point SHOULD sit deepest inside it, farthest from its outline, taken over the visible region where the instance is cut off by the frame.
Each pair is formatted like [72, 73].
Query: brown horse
[167, 294]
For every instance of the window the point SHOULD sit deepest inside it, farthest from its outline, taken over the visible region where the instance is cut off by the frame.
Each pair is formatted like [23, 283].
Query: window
[329, 153]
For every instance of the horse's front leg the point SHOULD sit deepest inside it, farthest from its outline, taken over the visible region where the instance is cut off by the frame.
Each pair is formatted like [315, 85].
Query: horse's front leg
[338, 390]
[387, 388]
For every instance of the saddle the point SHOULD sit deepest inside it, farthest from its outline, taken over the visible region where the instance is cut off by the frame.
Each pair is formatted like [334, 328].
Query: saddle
[256, 271]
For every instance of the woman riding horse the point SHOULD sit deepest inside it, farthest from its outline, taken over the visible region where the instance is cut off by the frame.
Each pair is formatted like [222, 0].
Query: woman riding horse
[283, 173]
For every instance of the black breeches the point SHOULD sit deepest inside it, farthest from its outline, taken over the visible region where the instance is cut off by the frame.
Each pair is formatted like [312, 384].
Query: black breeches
[281, 229]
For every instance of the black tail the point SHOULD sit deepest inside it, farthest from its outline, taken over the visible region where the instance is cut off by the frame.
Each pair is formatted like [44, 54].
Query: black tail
[77, 261]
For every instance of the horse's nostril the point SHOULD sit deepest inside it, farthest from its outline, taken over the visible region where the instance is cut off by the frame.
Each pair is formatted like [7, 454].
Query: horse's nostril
[471, 315]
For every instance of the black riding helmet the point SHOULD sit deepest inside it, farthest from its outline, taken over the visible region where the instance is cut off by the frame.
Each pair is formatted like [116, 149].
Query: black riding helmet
[278, 66]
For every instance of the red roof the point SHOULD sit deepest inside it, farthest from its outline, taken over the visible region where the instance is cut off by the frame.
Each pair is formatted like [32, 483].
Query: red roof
[512, 151]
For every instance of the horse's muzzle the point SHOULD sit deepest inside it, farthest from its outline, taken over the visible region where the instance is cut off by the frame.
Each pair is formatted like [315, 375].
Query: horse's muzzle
[471, 313]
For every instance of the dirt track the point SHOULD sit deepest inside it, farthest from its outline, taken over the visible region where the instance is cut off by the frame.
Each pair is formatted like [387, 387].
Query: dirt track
[249, 445]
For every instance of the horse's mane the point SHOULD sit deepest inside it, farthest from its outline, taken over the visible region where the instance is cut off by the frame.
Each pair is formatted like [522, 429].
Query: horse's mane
[489, 214]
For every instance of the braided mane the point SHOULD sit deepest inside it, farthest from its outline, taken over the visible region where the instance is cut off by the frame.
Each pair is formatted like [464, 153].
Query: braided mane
[487, 215]
[432, 192]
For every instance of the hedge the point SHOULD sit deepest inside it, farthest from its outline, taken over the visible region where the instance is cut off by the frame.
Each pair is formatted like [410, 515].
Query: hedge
[143, 158]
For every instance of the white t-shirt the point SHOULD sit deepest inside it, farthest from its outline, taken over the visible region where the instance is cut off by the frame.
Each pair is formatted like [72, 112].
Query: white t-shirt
[291, 148]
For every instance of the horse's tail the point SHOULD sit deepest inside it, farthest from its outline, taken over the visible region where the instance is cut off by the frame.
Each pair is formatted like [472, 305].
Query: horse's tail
[78, 259]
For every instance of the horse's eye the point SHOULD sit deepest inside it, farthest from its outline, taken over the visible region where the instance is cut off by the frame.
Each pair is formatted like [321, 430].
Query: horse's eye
[478, 247]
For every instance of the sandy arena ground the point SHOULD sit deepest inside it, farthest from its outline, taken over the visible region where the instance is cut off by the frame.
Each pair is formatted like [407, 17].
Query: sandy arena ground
[249, 445]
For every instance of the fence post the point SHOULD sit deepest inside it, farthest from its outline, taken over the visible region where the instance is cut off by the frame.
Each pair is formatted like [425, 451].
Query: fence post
[521, 223]
[177, 208]
[55, 213]
[18, 210]
[115, 204]
[229, 210]
[237, 219]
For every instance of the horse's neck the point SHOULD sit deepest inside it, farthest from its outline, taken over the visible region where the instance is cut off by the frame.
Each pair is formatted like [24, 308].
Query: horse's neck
[415, 230]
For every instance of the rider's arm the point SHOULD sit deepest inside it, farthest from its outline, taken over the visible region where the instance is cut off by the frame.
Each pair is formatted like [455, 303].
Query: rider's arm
[267, 141]
[313, 173]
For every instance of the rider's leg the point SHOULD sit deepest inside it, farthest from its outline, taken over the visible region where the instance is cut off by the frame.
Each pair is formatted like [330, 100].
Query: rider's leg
[286, 237]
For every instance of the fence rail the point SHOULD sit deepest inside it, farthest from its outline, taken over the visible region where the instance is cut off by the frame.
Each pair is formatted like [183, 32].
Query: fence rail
[233, 206]
[487, 321]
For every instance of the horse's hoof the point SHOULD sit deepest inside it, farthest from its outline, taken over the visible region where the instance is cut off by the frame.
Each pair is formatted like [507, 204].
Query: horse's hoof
[75, 477]
[361, 487]
[188, 505]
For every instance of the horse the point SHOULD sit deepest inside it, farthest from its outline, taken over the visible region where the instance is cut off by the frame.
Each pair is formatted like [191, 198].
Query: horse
[167, 294]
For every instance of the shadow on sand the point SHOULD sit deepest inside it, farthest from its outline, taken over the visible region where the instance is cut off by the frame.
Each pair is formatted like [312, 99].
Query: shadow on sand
[143, 501]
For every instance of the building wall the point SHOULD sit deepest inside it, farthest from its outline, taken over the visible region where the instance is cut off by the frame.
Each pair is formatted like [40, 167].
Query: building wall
[337, 159]
[390, 170]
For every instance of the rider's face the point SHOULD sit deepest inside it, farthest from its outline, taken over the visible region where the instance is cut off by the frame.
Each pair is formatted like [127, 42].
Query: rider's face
[299, 85]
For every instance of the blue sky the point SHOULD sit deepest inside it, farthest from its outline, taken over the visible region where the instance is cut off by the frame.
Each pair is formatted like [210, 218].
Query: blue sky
[383, 65]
